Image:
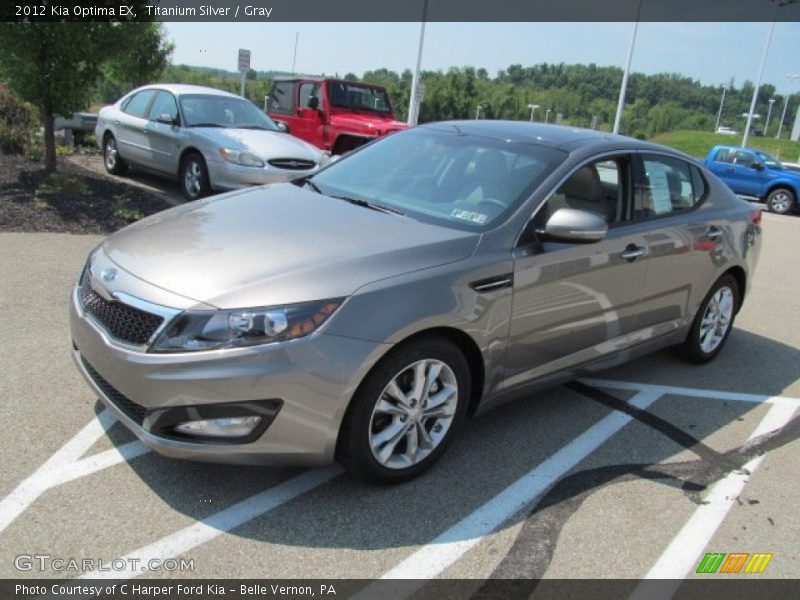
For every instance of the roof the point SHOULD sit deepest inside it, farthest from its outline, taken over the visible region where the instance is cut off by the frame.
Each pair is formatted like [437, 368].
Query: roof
[323, 78]
[184, 88]
[558, 136]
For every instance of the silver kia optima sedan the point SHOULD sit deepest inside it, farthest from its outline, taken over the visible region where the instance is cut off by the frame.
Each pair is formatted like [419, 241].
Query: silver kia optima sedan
[362, 313]
[208, 139]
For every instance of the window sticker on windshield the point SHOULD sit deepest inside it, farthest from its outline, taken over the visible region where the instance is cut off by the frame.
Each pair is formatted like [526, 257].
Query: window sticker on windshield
[468, 215]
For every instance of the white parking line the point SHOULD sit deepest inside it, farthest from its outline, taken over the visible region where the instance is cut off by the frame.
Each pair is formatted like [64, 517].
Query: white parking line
[66, 465]
[688, 392]
[685, 549]
[432, 559]
[220, 522]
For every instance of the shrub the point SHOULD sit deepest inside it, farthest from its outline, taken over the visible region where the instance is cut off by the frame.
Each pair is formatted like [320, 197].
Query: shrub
[17, 124]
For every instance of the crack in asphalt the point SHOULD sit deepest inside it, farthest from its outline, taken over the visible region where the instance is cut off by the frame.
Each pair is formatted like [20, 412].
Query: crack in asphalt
[532, 551]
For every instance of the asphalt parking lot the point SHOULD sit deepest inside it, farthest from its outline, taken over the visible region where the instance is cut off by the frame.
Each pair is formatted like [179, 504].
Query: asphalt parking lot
[638, 472]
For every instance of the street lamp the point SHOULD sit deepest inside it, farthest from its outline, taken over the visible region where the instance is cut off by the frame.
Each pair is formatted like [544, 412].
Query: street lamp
[721, 104]
[767, 43]
[792, 78]
[624, 87]
[769, 113]
[546, 115]
[533, 108]
[477, 112]
[414, 101]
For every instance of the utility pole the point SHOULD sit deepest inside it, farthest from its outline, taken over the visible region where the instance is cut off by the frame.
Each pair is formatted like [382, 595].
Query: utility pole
[767, 44]
[792, 78]
[769, 113]
[721, 104]
[294, 57]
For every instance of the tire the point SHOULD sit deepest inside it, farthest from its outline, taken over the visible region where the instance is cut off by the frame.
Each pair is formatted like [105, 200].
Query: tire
[194, 177]
[713, 323]
[781, 201]
[111, 159]
[378, 446]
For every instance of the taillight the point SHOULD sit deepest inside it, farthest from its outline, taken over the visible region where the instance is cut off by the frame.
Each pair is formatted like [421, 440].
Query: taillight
[755, 216]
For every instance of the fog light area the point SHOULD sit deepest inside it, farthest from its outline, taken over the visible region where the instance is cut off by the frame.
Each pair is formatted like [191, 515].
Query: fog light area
[227, 427]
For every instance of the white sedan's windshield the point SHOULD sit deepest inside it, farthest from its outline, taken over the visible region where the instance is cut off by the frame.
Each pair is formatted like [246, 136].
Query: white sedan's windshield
[223, 111]
[462, 181]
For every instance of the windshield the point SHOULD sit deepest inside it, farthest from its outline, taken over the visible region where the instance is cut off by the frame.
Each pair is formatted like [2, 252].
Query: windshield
[769, 160]
[357, 97]
[223, 111]
[442, 177]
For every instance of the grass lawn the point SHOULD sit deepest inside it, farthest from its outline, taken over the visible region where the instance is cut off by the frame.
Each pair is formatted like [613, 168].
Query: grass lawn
[698, 143]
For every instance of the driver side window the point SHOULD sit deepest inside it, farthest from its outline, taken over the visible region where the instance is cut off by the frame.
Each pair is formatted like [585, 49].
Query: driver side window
[600, 188]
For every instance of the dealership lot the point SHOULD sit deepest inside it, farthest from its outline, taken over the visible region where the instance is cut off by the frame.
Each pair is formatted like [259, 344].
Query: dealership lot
[639, 471]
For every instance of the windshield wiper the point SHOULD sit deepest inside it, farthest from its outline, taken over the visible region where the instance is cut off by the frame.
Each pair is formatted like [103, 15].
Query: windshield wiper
[254, 127]
[207, 125]
[312, 185]
[371, 205]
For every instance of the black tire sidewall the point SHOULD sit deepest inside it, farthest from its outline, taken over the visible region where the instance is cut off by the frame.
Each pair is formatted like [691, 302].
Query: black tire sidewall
[354, 449]
[204, 182]
[691, 348]
[120, 167]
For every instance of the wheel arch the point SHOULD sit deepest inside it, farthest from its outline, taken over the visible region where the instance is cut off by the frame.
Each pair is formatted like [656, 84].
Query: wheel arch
[785, 185]
[739, 274]
[185, 152]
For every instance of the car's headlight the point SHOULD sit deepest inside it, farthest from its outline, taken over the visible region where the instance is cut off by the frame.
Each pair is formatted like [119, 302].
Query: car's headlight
[241, 157]
[214, 330]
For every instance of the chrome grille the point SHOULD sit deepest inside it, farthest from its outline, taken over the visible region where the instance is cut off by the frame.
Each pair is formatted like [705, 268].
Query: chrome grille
[292, 164]
[121, 321]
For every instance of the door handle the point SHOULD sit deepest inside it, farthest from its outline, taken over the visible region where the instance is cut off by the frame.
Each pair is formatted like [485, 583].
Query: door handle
[713, 232]
[632, 252]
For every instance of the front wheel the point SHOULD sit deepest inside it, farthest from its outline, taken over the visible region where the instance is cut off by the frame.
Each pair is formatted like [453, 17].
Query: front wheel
[406, 412]
[194, 177]
[781, 201]
[111, 158]
[713, 322]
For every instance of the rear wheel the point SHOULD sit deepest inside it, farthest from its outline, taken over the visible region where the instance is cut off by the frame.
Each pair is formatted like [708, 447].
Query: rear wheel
[194, 177]
[111, 158]
[406, 412]
[713, 322]
[781, 201]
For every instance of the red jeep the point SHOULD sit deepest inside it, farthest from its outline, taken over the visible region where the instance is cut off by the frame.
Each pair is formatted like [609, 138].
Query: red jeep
[332, 114]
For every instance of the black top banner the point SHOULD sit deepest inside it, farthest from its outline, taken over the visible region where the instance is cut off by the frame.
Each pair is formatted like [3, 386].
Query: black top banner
[404, 10]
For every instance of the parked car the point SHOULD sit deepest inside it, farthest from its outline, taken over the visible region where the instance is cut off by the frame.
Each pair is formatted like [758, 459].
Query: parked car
[208, 139]
[756, 174]
[364, 312]
[334, 115]
[724, 130]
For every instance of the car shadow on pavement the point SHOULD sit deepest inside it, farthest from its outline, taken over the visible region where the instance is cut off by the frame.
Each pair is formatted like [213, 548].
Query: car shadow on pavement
[494, 450]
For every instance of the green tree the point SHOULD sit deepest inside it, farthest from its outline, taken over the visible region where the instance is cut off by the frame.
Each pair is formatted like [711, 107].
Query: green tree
[56, 66]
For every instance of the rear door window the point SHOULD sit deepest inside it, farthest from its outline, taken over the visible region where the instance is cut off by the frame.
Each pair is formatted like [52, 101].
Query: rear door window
[281, 100]
[136, 105]
[668, 187]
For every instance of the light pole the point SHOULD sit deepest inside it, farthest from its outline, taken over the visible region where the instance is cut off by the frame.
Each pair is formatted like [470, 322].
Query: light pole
[413, 103]
[546, 115]
[769, 113]
[624, 87]
[533, 108]
[767, 43]
[721, 104]
[477, 112]
[792, 78]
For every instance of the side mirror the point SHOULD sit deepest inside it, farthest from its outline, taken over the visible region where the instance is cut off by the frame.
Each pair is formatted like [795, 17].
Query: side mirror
[167, 119]
[284, 127]
[323, 116]
[758, 166]
[575, 226]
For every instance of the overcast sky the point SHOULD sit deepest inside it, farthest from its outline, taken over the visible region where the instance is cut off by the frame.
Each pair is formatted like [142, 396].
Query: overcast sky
[710, 52]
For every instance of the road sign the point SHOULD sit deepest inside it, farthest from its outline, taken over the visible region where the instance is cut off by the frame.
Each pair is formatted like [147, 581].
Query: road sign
[244, 60]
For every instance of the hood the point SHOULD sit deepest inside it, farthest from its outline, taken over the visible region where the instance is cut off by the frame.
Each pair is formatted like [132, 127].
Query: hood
[264, 144]
[367, 122]
[278, 244]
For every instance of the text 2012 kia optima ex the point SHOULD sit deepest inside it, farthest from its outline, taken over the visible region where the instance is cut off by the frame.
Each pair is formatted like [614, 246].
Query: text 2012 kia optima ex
[362, 313]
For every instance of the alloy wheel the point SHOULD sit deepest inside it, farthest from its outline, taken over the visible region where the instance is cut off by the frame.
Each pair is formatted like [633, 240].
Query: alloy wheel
[413, 414]
[716, 319]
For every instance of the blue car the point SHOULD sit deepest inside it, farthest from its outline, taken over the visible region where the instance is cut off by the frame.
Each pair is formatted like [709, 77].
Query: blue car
[756, 174]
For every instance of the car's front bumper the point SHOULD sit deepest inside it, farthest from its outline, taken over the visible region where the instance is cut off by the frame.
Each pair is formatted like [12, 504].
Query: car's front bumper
[225, 176]
[311, 379]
